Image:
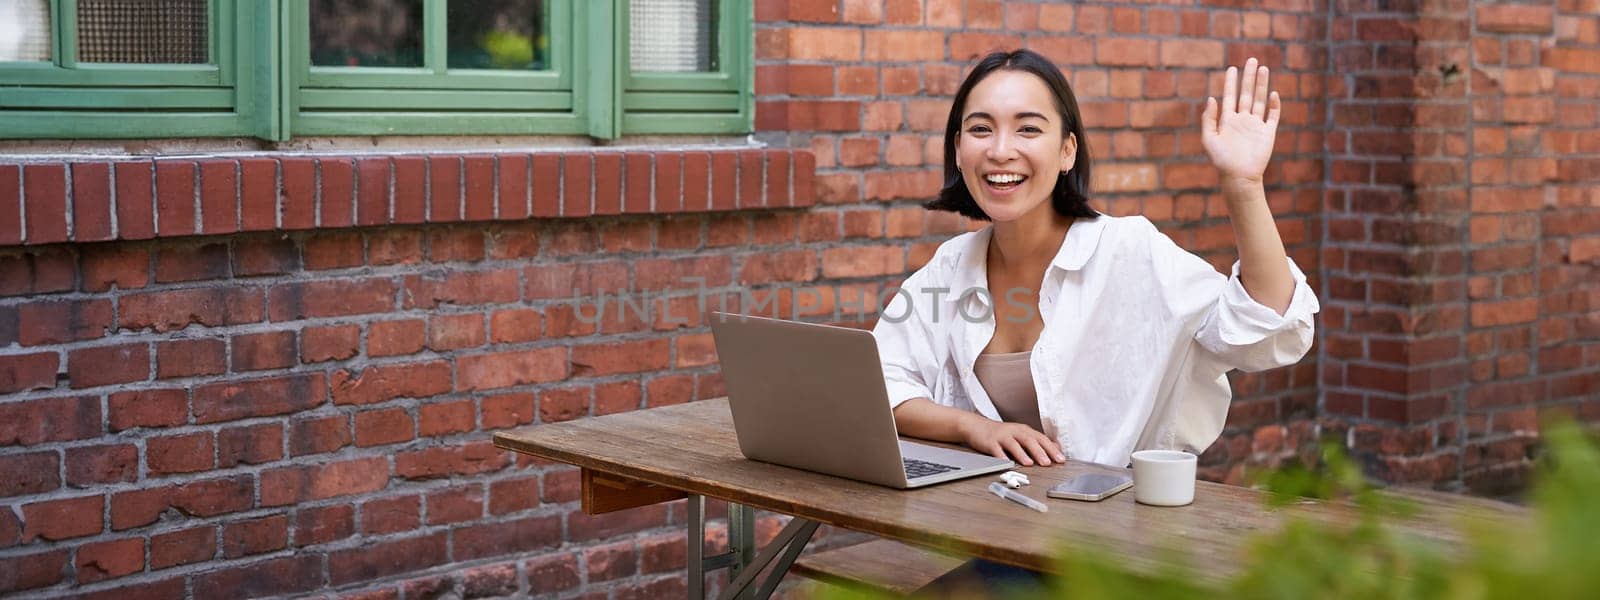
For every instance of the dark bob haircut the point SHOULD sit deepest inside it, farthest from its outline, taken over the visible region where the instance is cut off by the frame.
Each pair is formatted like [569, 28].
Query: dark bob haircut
[1070, 197]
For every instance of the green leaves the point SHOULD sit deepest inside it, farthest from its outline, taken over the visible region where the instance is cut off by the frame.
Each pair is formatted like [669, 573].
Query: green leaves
[1372, 559]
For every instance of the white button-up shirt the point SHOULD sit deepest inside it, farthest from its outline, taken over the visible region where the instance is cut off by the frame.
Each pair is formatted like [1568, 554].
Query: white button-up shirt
[1138, 335]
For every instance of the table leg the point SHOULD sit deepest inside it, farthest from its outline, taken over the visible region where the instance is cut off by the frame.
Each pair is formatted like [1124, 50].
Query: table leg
[696, 539]
[741, 559]
[785, 548]
[741, 540]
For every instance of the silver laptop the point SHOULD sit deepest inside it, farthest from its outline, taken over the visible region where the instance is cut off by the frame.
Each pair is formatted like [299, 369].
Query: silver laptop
[812, 397]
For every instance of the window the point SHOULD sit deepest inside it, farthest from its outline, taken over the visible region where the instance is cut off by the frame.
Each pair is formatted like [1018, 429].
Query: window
[685, 65]
[77, 68]
[376, 67]
[275, 69]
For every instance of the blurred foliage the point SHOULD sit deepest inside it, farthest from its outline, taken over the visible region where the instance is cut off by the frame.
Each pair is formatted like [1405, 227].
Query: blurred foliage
[1557, 557]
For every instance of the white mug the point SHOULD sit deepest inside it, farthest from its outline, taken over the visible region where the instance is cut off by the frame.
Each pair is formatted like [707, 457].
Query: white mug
[1163, 477]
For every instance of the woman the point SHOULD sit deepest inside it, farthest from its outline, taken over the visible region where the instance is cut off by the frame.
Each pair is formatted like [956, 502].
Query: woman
[1057, 332]
[1060, 333]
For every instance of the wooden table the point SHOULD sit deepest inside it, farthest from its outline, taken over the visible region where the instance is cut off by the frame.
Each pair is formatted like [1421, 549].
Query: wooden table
[643, 457]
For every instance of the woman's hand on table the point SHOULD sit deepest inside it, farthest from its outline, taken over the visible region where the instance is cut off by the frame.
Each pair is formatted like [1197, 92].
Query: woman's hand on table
[1020, 442]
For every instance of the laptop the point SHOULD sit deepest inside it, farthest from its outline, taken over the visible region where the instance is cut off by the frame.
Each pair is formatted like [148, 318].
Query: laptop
[812, 397]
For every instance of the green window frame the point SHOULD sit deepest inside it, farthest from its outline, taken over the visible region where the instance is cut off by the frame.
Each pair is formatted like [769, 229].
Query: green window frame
[434, 99]
[68, 98]
[669, 103]
[261, 84]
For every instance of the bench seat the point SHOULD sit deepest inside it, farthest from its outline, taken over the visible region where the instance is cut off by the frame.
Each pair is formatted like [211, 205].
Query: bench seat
[883, 566]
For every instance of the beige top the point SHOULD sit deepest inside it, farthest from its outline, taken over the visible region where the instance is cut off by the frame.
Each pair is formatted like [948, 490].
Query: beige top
[1009, 383]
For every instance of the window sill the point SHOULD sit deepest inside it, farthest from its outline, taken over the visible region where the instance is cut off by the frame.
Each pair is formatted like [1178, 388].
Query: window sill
[59, 200]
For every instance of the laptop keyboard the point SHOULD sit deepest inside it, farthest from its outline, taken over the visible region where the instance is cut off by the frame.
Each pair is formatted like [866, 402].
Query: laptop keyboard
[921, 468]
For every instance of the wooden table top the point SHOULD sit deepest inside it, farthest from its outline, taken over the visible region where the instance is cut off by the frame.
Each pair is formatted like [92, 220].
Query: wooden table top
[692, 447]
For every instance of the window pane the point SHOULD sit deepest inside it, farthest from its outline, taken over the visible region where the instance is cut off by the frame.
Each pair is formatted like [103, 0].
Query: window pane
[498, 34]
[672, 36]
[366, 33]
[143, 31]
[24, 30]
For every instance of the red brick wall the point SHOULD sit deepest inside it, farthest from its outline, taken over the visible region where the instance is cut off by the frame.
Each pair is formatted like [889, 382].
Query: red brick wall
[1534, 231]
[1463, 304]
[272, 374]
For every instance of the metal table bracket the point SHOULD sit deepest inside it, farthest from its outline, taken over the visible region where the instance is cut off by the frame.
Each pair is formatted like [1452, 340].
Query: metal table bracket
[741, 560]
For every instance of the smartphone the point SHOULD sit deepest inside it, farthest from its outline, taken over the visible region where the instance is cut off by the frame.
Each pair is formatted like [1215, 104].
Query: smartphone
[1092, 487]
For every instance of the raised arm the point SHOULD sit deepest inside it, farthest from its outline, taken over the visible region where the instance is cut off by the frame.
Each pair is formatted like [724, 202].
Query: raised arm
[1238, 136]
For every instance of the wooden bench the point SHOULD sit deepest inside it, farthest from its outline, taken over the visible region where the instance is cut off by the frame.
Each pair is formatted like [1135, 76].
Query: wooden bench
[882, 566]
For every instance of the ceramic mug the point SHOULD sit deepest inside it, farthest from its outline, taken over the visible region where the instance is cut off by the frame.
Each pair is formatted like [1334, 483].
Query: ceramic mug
[1163, 477]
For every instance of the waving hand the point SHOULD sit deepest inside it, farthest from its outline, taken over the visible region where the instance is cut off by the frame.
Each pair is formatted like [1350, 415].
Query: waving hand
[1238, 135]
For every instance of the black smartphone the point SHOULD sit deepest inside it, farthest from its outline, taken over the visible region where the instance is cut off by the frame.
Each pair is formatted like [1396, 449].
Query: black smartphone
[1091, 487]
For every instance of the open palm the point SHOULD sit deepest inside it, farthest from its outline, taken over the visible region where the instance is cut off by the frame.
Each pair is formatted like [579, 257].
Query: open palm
[1238, 135]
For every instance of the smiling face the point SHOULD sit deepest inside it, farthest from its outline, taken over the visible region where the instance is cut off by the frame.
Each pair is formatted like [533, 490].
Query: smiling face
[1012, 145]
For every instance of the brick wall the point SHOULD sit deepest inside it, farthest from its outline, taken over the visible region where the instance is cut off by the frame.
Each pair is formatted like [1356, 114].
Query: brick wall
[1463, 304]
[277, 374]
[263, 376]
